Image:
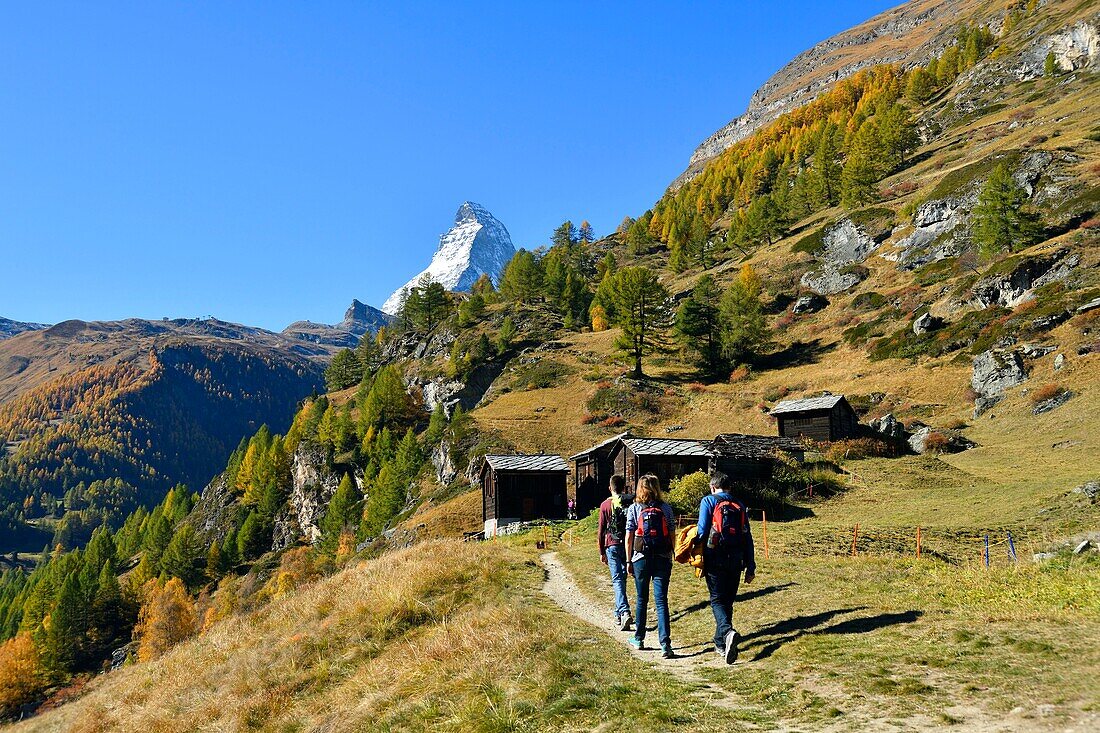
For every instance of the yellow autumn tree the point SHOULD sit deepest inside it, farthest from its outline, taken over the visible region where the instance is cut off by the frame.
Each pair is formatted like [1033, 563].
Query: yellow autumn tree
[20, 673]
[599, 317]
[167, 617]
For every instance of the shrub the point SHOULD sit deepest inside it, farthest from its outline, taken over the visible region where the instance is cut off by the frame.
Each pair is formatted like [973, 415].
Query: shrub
[956, 423]
[776, 393]
[936, 442]
[613, 421]
[697, 387]
[588, 418]
[21, 678]
[855, 449]
[1045, 392]
[740, 374]
[685, 492]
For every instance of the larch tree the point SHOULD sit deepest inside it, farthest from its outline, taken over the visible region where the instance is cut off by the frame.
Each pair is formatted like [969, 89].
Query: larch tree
[642, 312]
[698, 324]
[167, 617]
[744, 328]
[1002, 220]
[340, 515]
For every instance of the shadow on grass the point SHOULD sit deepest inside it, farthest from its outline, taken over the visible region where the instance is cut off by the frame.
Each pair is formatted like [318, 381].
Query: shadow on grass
[795, 628]
[800, 353]
[748, 596]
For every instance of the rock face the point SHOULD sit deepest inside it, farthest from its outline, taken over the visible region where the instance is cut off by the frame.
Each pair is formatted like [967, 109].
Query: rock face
[212, 516]
[930, 241]
[1010, 289]
[888, 426]
[813, 71]
[1073, 48]
[925, 323]
[476, 245]
[1053, 403]
[313, 486]
[994, 372]
[830, 281]
[809, 304]
[844, 244]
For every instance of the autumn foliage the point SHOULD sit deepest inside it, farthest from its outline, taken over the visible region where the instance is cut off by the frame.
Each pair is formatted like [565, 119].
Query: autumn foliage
[20, 673]
[167, 617]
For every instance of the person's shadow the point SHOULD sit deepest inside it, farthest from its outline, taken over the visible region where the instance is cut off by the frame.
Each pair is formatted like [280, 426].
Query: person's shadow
[786, 631]
[747, 596]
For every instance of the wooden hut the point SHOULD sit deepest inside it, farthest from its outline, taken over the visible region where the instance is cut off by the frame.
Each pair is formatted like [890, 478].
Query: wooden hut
[667, 458]
[824, 418]
[592, 471]
[750, 457]
[519, 488]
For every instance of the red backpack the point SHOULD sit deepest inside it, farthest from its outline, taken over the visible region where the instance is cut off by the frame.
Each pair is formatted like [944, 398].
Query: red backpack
[728, 524]
[653, 531]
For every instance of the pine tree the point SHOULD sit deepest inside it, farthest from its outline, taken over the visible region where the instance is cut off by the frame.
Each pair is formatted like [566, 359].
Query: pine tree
[384, 501]
[1050, 65]
[697, 324]
[921, 85]
[1001, 219]
[344, 371]
[744, 329]
[106, 617]
[826, 167]
[585, 235]
[215, 561]
[521, 281]
[253, 539]
[65, 628]
[387, 402]
[437, 426]
[642, 312]
[506, 334]
[897, 135]
[407, 461]
[340, 514]
[181, 558]
[861, 170]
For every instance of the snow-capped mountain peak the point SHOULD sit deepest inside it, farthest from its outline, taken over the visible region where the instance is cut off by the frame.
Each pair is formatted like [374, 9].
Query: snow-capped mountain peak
[478, 244]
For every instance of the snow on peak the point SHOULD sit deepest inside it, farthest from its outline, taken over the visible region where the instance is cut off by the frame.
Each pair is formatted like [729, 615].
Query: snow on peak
[476, 245]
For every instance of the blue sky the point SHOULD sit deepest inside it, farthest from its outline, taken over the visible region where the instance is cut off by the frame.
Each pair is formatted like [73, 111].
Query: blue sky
[268, 162]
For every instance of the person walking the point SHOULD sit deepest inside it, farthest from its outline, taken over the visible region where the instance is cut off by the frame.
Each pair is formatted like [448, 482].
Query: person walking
[727, 551]
[610, 537]
[649, 523]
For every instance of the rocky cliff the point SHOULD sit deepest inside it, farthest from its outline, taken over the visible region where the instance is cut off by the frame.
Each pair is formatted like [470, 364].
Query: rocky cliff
[478, 244]
[359, 319]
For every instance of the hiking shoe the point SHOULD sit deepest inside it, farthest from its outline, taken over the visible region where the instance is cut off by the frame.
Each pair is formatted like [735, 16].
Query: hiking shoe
[731, 647]
[624, 622]
[667, 653]
[636, 642]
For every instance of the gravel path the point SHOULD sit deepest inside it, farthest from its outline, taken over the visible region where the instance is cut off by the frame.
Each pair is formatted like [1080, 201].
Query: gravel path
[561, 588]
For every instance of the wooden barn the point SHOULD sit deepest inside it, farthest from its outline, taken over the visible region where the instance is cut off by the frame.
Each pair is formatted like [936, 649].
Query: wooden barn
[592, 471]
[824, 418]
[667, 458]
[751, 457]
[520, 488]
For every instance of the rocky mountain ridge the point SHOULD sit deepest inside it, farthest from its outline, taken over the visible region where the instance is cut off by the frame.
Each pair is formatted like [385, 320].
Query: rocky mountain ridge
[9, 328]
[359, 319]
[478, 244]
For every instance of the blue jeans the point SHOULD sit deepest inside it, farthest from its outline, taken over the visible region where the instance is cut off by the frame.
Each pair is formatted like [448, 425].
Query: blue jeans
[616, 563]
[723, 575]
[656, 569]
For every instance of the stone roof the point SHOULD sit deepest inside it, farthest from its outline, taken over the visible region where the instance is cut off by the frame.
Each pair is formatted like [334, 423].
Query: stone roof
[527, 462]
[605, 444]
[666, 447]
[737, 445]
[825, 402]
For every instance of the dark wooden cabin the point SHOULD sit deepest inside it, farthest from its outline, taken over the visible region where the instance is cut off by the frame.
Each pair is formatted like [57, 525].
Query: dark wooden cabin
[824, 418]
[520, 488]
[751, 457]
[667, 458]
[592, 472]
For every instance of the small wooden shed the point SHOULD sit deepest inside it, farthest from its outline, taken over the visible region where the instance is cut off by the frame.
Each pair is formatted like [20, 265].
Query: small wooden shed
[520, 488]
[667, 458]
[751, 457]
[824, 418]
[592, 472]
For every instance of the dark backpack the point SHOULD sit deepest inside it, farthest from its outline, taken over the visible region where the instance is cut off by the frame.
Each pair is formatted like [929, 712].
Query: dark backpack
[616, 527]
[653, 531]
[728, 525]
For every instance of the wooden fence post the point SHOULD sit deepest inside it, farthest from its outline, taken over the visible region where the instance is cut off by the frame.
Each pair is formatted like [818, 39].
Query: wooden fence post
[986, 551]
[855, 536]
[918, 542]
[764, 518]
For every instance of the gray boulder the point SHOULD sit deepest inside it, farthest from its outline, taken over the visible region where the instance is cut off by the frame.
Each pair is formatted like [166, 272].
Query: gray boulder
[994, 372]
[1090, 490]
[925, 323]
[955, 442]
[888, 426]
[1091, 305]
[1059, 362]
[1036, 351]
[809, 304]
[830, 281]
[1016, 286]
[1053, 403]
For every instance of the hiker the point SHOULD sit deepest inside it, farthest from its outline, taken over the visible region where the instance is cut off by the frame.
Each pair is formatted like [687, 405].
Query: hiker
[610, 538]
[571, 513]
[649, 523]
[727, 550]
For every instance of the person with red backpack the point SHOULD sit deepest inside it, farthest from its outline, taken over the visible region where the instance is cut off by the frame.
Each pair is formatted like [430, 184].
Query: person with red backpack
[727, 551]
[610, 538]
[649, 527]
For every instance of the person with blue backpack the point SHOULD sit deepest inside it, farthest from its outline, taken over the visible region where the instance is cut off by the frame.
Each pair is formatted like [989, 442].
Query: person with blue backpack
[727, 551]
[649, 527]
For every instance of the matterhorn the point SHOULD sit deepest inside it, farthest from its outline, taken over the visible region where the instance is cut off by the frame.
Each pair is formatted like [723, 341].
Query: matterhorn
[476, 245]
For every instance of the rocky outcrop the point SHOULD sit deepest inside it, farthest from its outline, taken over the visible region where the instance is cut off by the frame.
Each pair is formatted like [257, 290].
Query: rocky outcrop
[925, 323]
[1052, 403]
[888, 426]
[478, 244]
[359, 319]
[1074, 48]
[993, 373]
[830, 281]
[314, 483]
[213, 515]
[1016, 285]
[815, 70]
[808, 304]
[445, 469]
[931, 240]
[844, 244]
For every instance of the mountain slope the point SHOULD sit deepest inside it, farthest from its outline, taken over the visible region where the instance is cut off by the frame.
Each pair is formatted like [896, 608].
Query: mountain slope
[476, 245]
[359, 319]
[9, 328]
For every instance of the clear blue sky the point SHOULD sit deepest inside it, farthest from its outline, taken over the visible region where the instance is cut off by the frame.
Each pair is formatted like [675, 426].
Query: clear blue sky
[267, 162]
